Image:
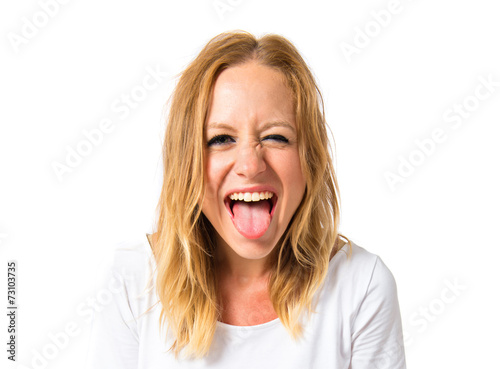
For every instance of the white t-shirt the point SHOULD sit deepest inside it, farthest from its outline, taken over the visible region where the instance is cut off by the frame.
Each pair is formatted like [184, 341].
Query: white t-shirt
[357, 323]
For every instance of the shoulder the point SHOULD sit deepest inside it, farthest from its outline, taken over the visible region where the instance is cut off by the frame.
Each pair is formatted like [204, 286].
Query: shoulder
[130, 261]
[130, 253]
[355, 270]
[354, 259]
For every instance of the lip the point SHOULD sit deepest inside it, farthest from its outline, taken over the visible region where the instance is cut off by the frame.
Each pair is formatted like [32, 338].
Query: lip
[274, 199]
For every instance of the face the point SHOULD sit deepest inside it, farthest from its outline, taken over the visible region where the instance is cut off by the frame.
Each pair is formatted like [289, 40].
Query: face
[254, 182]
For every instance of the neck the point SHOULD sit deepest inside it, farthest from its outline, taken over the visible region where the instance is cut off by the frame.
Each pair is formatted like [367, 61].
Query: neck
[230, 265]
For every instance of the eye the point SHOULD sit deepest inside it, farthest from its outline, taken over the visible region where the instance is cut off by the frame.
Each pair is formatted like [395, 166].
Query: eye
[278, 138]
[220, 140]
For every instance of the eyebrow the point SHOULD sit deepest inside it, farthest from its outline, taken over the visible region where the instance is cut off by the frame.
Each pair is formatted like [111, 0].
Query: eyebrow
[217, 125]
[278, 124]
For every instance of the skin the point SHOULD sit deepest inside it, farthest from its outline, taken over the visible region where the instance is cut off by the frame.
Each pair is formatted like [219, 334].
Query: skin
[251, 143]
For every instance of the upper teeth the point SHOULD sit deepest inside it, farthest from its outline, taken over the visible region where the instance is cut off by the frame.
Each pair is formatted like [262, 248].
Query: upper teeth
[251, 196]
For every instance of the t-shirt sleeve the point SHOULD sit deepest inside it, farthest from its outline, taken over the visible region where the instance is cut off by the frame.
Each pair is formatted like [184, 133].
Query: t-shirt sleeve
[377, 338]
[114, 339]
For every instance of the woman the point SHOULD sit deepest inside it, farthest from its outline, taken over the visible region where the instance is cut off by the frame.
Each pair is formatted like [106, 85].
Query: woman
[247, 268]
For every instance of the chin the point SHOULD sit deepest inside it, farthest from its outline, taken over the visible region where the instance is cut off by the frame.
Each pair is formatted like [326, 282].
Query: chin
[252, 249]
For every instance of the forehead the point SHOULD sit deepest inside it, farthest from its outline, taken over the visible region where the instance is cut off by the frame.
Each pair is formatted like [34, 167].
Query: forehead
[251, 92]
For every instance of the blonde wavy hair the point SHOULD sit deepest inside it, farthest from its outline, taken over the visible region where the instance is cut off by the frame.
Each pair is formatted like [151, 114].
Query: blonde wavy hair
[184, 248]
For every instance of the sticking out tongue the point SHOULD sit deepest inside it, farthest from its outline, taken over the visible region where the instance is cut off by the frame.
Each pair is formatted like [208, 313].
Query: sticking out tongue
[252, 219]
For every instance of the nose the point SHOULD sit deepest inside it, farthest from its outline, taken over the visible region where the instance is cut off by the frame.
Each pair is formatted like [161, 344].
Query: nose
[249, 161]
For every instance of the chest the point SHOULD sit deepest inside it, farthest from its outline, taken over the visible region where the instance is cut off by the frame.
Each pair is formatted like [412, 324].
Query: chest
[247, 306]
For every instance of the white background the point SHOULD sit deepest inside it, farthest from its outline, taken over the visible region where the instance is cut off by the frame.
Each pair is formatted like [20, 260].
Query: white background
[437, 227]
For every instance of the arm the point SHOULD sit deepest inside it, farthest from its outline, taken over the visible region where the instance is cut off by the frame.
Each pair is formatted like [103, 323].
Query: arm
[377, 338]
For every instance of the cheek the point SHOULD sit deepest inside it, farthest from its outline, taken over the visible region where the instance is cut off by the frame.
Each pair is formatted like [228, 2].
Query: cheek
[293, 171]
[215, 170]
[297, 179]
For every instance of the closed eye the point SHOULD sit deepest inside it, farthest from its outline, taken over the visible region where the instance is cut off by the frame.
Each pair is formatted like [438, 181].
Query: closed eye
[278, 138]
[220, 140]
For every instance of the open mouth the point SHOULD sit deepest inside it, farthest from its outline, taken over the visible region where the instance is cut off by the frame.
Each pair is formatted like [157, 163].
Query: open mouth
[251, 212]
[251, 198]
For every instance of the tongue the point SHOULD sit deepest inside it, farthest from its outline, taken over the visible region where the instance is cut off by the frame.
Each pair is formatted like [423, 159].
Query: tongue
[251, 219]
